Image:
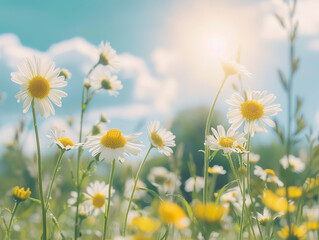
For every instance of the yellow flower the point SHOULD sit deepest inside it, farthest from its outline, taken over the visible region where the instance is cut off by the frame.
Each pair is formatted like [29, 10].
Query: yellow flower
[211, 212]
[293, 192]
[142, 236]
[172, 213]
[310, 184]
[275, 202]
[20, 194]
[145, 224]
[295, 232]
[312, 225]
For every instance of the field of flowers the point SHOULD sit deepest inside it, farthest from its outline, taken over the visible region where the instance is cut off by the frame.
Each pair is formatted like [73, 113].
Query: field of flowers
[212, 189]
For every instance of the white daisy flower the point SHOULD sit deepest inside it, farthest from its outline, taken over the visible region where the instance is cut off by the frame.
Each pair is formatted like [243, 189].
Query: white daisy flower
[138, 192]
[157, 176]
[267, 175]
[253, 158]
[191, 183]
[231, 67]
[96, 195]
[114, 145]
[108, 56]
[255, 109]
[65, 143]
[216, 170]
[65, 73]
[72, 200]
[102, 79]
[231, 195]
[38, 79]
[161, 138]
[296, 164]
[228, 142]
[172, 183]
[266, 216]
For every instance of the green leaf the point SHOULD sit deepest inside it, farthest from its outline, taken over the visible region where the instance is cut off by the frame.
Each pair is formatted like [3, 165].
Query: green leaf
[298, 107]
[165, 234]
[155, 194]
[283, 80]
[223, 189]
[295, 64]
[280, 20]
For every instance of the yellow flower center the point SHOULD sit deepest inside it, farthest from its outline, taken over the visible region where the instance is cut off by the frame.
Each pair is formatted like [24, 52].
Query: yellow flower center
[270, 172]
[39, 87]
[252, 110]
[104, 59]
[226, 142]
[158, 141]
[113, 139]
[66, 141]
[98, 200]
[20, 194]
[106, 84]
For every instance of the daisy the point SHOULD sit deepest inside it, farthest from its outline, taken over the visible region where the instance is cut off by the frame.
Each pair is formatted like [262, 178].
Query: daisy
[161, 138]
[38, 79]
[253, 158]
[172, 183]
[138, 194]
[114, 145]
[266, 216]
[192, 184]
[72, 200]
[64, 143]
[65, 73]
[228, 142]
[267, 175]
[255, 109]
[108, 56]
[102, 79]
[216, 170]
[96, 196]
[157, 176]
[231, 67]
[296, 164]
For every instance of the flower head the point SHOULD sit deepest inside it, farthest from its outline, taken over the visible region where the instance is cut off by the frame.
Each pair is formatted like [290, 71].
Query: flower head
[65, 73]
[96, 195]
[192, 184]
[210, 212]
[216, 170]
[255, 109]
[108, 56]
[101, 79]
[296, 164]
[20, 194]
[293, 192]
[138, 192]
[231, 67]
[161, 138]
[275, 202]
[38, 80]
[145, 224]
[267, 216]
[267, 175]
[295, 233]
[64, 143]
[113, 145]
[253, 158]
[229, 141]
[172, 213]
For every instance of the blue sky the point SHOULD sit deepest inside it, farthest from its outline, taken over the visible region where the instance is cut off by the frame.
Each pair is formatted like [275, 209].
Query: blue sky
[167, 50]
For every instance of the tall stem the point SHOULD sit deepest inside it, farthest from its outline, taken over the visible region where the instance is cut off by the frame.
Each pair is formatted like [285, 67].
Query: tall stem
[53, 178]
[208, 124]
[78, 182]
[44, 220]
[11, 219]
[107, 207]
[134, 188]
[206, 176]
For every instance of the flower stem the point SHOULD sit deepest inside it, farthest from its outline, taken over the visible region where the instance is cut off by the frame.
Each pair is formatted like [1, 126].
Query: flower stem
[206, 176]
[11, 219]
[53, 178]
[107, 207]
[44, 220]
[208, 124]
[134, 188]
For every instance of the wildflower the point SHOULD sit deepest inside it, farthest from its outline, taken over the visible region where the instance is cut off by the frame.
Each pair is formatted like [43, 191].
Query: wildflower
[311, 185]
[72, 200]
[216, 170]
[145, 224]
[312, 225]
[266, 216]
[228, 142]
[160, 138]
[275, 202]
[138, 192]
[84, 210]
[64, 143]
[113, 145]
[102, 79]
[231, 67]
[65, 73]
[267, 175]
[20, 194]
[295, 233]
[108, 56]
[87, 84]
[96, 196]
[253, 158]
[165, 181]
[197, 183]
[38, 79]
[172, 213]
[231, 195]
[254, 109]
[293, 192]
[211, 212]
[296, 164]
[103, 119]
[171, 184]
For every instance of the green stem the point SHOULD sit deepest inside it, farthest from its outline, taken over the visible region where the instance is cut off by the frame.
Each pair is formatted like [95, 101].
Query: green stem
[206, 176]
[134, 188]
[242, 211]
[53, 178]
[80, 149]
[12, 215]
[44, 220]
[208, 124]
[107, 207]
